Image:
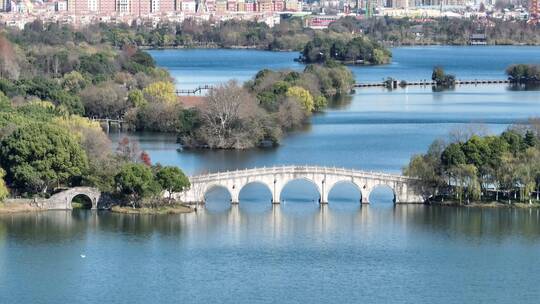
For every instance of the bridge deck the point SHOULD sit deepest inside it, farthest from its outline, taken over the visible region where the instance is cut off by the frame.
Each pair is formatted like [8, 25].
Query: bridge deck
[296, 170]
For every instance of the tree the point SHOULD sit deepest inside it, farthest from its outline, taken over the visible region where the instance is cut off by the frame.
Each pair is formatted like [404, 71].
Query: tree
[40, 155]
[106, 100]
[74, 82]
[4, 192]
[145, 158]
[291, 115]
[136, 98]
[319, 103]
[302, 96]
[441, 78]
[161, 91]
[136, 181]
[128, 150]
[428, 169]
[4, 102]
[453, 156]
[466, 182]
[226, 118]
[9, 67]
[172, 179]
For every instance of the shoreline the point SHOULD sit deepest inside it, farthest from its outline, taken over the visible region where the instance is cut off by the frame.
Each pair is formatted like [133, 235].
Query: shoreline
[172, 209]
[28, 208]
[18, 208]
[486, 205]
[240, 47]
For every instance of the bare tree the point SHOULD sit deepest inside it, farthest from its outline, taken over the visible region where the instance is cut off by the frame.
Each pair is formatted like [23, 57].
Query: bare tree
[227, 112]
[464, 133]
[9, 67]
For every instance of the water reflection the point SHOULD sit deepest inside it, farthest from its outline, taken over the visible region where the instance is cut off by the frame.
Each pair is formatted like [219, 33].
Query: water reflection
[290, 220]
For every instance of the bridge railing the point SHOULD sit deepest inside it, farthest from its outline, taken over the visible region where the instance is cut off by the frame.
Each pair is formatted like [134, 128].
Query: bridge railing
[296, 169]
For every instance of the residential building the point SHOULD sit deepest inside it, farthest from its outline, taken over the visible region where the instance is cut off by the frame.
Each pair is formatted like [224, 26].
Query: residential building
[60, 6]
[5, 5]
[265, 6]
[279, 5]
[221, 6]
[232, 6]
[189, 6]
[124, 6]
[251, 6]
[293, 5]
[210, 6]
[107, 7]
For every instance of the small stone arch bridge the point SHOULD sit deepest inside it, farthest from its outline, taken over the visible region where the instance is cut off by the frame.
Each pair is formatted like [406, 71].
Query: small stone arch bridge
[325, 178]
[62, 200]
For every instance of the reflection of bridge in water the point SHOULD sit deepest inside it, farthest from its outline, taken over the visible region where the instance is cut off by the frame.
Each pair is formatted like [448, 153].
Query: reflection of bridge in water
[324, 178]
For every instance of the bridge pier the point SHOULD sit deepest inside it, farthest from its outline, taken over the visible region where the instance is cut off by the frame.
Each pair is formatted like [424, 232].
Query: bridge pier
[364, 200]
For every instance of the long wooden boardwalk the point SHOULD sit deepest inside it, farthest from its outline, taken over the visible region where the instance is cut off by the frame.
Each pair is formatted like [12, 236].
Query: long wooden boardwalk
[396, 83]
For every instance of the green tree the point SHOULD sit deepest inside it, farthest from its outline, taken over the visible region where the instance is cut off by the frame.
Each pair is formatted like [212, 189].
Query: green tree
[453, 156]
[319, 103]
[161, 91]
[5, 104]
[172, 179]
[303, 97]
[136, 181]
[38, 156]
[136, 98]
[4, 192]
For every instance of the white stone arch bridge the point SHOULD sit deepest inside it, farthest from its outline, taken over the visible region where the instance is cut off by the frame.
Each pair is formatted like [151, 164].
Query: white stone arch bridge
[325, 178]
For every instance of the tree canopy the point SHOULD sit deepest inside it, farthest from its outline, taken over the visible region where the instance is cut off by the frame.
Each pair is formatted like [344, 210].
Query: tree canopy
[39, 155]
[172, 179]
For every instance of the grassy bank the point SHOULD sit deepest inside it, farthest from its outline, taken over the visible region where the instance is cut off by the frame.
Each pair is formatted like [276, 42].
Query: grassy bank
[490, 204]
[172, 209]
[17, 208]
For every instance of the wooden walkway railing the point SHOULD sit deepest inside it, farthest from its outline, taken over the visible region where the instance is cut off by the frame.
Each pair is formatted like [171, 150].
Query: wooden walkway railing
[395, 83]
[197, 90]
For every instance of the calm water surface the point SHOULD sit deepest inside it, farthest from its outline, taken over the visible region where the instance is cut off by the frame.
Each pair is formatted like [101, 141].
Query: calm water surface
[256, 253]
[376, 129]
[300, 252]
[192, 68]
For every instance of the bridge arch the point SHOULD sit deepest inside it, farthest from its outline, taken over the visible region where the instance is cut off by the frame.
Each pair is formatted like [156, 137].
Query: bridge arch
[279, 193]
[81, 201]
[62, 200]
[256, 182]
[341, 183]
[215, 186]
[380, 188]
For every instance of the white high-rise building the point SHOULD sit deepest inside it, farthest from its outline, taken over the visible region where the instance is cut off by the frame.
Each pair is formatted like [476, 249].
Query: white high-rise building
[154, 6]
[93, 5]
[5, 5]
[123, 6]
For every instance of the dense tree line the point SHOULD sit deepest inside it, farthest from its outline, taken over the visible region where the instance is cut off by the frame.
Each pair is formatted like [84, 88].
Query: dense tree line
[446, 31]
[98, 72]
[358, 50]
[44, 149]
[82, 73]
[523, 73]
[490, 168]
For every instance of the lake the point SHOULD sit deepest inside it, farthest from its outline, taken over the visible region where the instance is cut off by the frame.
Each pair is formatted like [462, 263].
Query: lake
[377, 129]
[299, 251]
[256, 253]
